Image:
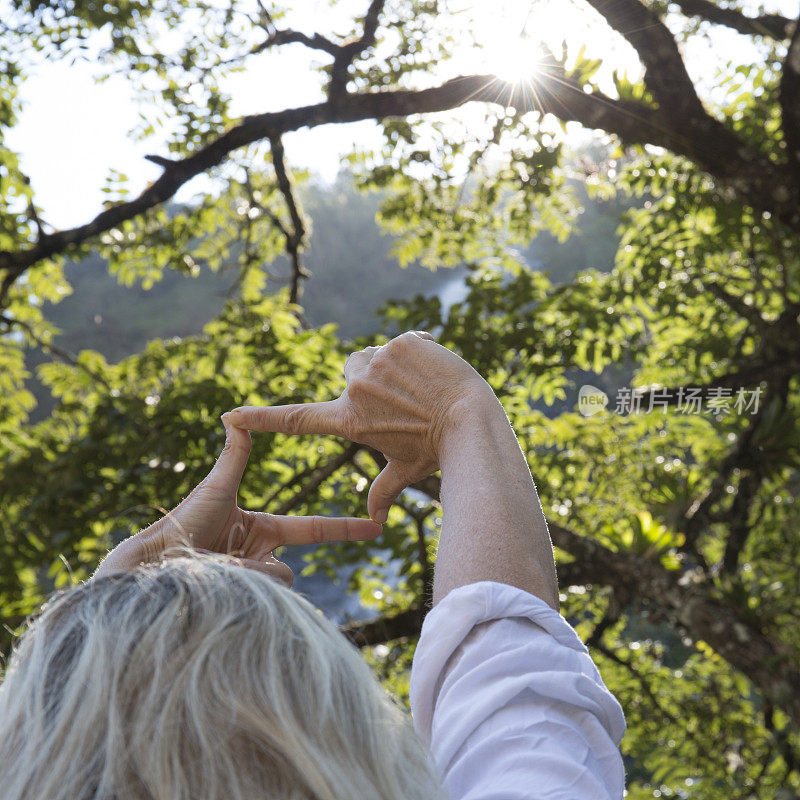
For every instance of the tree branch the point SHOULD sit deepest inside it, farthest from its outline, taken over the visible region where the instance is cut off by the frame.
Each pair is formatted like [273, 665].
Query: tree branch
[737, 304]
[295, 240]
[665, 72]
[790, 103]
[319, 477]
[758, 181]
[384, 629]
[314, 42]
[593, 111]
[791, 757]
[776, 26]
[709, 142]
[749, 375]
[63, 355]
[741, 456]
[348, 53]
[640, 678]
[739, 527]
[769, 664]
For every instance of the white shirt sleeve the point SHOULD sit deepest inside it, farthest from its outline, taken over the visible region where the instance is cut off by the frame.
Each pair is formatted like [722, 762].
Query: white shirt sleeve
[509, 702]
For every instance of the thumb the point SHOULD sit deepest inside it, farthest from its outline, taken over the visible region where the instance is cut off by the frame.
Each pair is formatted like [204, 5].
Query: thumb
[227, 473]
[394, 477]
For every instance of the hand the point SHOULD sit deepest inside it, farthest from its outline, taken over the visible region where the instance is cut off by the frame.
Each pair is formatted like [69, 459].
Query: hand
[209, 519]
[402, 399]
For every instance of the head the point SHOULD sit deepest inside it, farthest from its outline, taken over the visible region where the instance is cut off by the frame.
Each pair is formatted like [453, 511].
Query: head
[198, 678]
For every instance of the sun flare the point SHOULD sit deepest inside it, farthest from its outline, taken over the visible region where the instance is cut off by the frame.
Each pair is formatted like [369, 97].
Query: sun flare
[516, 61]
[513, 36]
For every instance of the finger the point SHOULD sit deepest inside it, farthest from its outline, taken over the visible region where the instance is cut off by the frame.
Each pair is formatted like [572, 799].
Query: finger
[227, 473]
[275, 569]
[394, 477]
[296, 418]
[278, 530]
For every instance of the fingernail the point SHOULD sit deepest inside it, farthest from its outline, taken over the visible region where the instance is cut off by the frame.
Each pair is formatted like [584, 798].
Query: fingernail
[235, 416]
[381, 516]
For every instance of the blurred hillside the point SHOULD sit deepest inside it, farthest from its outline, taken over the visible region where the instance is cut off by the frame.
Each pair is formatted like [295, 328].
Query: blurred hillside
[353, 274]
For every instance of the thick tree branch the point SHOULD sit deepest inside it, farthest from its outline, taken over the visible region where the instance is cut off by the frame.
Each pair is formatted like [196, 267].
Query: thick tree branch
[737, 304]
[742, 456]
[790, 103]
[749, 375]
[710, 143]
[776, 26]
[352, 108]
[754, 178]
[738, 515]
[739, 527]
[384, 629]
[770, 665]
[665, 73]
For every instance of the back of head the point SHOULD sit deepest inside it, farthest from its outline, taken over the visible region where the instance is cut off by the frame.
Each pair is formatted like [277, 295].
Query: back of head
[198, 679]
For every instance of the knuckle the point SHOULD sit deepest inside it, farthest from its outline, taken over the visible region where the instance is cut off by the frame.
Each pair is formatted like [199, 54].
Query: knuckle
[349, 425]
[357, 388]
[380, 361]
[261, 416]
[355, 361]
[236, 447]
[317, 529]
[293, 420]
[407, 342]
[397, 347]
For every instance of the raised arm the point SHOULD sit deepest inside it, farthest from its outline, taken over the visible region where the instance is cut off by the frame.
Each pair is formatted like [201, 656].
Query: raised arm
[424, 408]
[493, 528]
[503, 691]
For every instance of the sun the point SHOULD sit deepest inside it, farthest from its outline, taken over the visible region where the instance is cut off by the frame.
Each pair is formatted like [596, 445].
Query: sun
[516, 60]
[510, 38]
[509, 35]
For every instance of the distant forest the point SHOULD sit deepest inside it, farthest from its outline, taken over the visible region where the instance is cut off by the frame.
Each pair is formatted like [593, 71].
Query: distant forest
[353, 273]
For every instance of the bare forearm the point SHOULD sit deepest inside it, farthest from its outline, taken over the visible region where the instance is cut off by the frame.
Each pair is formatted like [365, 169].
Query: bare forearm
[493, 528]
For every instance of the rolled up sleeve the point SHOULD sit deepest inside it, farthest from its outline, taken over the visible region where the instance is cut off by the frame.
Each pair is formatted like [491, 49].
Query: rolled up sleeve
[510, 703]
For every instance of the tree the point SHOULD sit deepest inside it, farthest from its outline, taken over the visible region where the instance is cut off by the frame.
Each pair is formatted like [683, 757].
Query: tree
[676, 533]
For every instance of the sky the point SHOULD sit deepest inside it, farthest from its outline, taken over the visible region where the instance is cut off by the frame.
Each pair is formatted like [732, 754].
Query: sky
[73, 131]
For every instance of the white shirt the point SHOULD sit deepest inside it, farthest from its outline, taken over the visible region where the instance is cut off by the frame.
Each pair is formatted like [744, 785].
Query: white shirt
[509, 702]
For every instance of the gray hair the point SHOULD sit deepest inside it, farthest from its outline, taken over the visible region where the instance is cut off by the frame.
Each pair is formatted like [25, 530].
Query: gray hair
[198, 678]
